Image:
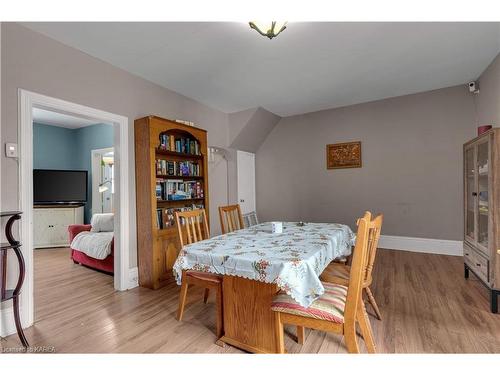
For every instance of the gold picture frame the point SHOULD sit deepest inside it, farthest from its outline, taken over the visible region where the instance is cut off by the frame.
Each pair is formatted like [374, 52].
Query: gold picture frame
[343, 155]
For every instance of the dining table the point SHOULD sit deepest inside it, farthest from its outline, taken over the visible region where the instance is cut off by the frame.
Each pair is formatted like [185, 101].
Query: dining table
[257, 263]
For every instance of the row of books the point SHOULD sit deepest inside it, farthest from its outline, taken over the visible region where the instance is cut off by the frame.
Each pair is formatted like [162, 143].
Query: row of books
[180, 144]
[174, 190]
[177, 168]
[185, 122]
[165, 217]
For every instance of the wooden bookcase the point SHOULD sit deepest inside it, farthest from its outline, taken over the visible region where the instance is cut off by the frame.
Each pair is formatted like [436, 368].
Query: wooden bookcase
[482, 211]
[157, 248]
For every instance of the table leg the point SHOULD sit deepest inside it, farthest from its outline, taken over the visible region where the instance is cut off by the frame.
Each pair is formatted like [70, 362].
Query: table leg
[249, 323]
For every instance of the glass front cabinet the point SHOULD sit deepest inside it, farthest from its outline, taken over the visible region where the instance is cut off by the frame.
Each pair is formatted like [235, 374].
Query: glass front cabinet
[482, 211]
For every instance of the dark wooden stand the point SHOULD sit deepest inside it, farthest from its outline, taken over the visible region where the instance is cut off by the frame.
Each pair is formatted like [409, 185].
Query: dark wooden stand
[494, 294]
[13, 294]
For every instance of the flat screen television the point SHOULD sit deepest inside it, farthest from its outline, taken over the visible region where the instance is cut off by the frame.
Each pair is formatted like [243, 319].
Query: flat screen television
[58, 186]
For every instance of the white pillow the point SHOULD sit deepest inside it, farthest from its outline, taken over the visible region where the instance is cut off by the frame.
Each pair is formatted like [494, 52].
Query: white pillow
[102, 223]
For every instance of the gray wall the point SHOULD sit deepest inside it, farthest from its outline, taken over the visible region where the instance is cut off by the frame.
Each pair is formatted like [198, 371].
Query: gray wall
[34, 62]
[488, 100]
[412, 164]
[249, 128]
[411, 145]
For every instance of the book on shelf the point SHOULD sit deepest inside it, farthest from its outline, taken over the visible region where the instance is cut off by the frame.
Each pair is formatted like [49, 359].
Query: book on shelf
[174, 190]
[165, 217]
[177, 168]
[184, 145]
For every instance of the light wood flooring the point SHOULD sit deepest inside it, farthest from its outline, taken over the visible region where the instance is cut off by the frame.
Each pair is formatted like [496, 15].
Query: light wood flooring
[426, 304]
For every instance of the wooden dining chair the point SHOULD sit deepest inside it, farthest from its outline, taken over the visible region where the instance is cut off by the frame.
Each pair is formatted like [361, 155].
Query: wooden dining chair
[250, 219]
[230, 218]
[338, 273]
[192, 227]
[338, 309]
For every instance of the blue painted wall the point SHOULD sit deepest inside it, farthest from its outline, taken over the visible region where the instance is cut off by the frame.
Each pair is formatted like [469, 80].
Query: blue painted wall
[55, 147]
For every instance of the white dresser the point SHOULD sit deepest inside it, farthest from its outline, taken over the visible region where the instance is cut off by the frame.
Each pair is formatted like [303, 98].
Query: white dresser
[50, 224]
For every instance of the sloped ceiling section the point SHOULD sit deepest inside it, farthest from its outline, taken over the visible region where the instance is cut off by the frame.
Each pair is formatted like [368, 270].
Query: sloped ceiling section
[248, 129]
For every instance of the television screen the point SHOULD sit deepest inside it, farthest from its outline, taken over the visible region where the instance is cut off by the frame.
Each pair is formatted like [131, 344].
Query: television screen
[55, 186]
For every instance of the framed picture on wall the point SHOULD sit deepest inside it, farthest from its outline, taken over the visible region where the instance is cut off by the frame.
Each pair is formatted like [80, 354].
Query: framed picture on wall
[343, 155]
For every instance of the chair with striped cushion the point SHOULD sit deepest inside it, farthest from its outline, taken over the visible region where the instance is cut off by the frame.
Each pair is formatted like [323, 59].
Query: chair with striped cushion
[338, 273]
[338, 309]
[330, 306]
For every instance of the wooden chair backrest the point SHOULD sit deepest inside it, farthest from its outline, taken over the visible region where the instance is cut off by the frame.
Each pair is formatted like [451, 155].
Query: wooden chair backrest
[250, 219]
[195, 225]
[375, 227]
[230, 218]
[358, 269]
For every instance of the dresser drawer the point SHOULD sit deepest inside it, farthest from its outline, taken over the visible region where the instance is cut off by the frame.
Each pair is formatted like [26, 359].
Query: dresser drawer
[477, 263]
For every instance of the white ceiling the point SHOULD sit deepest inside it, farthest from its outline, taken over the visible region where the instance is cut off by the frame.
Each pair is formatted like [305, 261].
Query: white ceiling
[46, 117]
[309, 67]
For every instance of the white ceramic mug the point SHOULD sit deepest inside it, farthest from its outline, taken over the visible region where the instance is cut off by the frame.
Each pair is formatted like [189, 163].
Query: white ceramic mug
[277, 227]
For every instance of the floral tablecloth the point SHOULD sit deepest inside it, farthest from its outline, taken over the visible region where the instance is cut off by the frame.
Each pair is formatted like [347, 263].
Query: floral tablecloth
[293, 259]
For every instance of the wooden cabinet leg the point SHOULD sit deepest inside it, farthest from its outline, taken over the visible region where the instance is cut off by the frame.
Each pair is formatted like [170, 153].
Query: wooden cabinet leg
[494, 300]
[466, 271]
[205, 296]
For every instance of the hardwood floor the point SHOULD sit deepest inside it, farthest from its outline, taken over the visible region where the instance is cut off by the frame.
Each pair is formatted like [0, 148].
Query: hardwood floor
[427, 307]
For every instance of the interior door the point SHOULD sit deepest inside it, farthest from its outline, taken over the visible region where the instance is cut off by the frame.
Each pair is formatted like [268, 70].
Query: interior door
[102, 178]
[107, 195]
[246, 181]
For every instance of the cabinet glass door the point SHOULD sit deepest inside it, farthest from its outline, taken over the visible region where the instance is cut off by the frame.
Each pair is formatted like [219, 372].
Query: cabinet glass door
[482, 193]
[470, 229]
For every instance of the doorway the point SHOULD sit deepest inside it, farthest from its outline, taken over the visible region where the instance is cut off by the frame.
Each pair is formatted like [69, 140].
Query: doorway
[103, 180]
[246, 181]
[123, 277]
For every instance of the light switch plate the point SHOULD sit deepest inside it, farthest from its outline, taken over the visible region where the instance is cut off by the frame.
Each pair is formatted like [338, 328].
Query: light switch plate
[11, 150]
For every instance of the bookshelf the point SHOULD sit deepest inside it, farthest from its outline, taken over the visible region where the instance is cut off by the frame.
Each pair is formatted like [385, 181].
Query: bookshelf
[171, 175]
[482, 211]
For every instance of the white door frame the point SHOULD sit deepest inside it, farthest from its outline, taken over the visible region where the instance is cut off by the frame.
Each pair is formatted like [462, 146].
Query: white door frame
[28, 100]
[96, 175]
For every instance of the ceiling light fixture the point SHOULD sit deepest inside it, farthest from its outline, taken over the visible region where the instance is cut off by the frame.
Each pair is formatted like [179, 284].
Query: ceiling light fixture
[269, 29]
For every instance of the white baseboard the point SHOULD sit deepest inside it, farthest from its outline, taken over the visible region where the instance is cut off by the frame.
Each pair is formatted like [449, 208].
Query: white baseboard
[421, 245]
[133, 278]
[7, 323]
